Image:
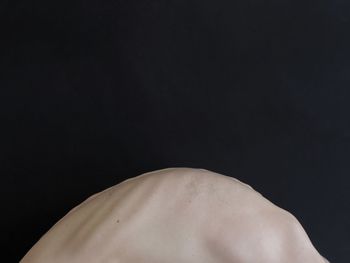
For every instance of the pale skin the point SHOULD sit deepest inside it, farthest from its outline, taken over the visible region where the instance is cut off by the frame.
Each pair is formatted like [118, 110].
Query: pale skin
[176, 215]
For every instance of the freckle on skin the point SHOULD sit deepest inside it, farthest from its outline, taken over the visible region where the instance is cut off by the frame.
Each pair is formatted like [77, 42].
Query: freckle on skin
[118, 221]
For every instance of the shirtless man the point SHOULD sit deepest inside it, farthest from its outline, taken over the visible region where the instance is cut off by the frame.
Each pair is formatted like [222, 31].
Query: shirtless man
[176, 215]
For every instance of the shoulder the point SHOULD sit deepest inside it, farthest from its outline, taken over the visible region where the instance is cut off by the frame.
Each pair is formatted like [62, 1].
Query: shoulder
[238, 220]
[269, 235]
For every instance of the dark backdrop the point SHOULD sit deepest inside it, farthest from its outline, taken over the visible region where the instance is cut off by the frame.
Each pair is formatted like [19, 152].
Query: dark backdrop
[94, 92]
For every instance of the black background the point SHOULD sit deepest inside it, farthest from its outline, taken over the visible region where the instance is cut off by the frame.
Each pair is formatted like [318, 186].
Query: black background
[94, 92]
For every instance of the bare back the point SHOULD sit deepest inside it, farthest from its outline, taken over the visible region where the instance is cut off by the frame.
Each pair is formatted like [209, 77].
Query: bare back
[176, 215]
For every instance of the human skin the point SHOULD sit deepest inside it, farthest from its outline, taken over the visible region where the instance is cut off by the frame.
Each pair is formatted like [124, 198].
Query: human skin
[174, 215]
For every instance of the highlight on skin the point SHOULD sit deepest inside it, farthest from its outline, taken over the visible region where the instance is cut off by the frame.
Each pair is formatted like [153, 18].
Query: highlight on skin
[176, 214]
